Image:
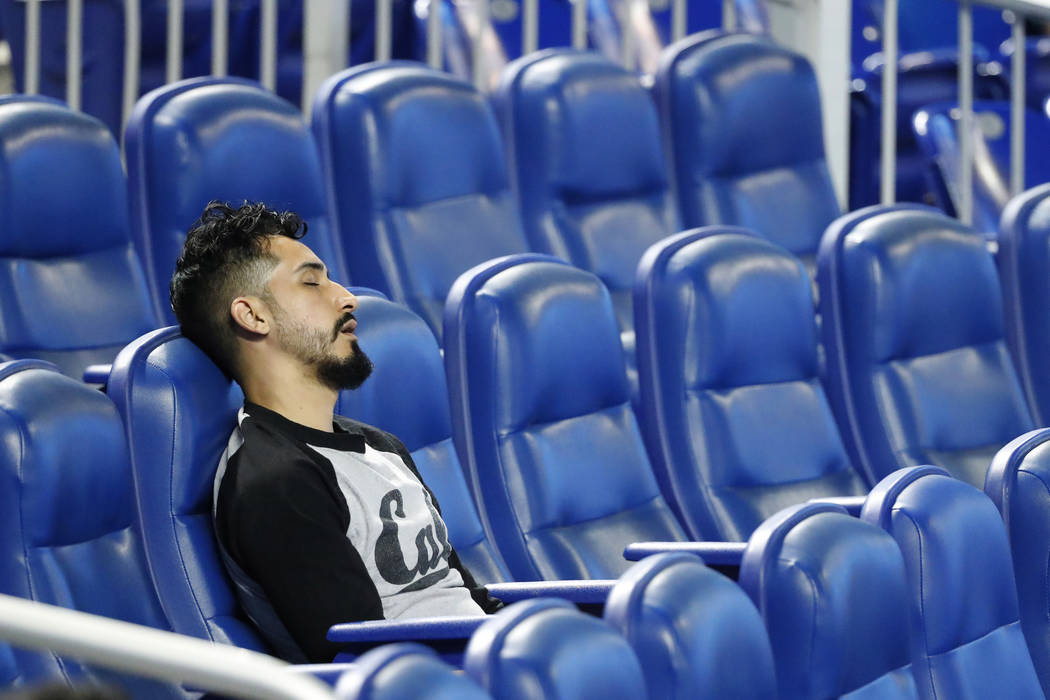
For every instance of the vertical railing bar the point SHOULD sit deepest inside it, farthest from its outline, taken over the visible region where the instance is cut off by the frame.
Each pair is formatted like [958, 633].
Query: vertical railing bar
[966, 107]
[32, 58]
[482, 10]
[1017, 108]
[220, 40]
[579, 24]
[268, 45]
[74, 51]
[626, 9]
[729, 22]
[132, 33]
[530, 26]
[678, 10]
[173, 64]
[434, 49]
[384, 28]
[888, 165]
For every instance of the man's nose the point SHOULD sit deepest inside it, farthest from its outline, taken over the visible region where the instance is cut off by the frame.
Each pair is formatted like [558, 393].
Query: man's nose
[345, 299]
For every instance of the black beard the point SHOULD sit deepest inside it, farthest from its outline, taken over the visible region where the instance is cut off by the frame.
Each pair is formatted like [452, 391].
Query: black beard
[345, 373]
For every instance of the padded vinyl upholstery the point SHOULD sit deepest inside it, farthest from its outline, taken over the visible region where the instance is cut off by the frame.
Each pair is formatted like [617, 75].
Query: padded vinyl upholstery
[542, 418]
[1024, 272]
[918, 368]
[68, 534]
[695, 632]
[742, 128]
[416, 180]
[833, 592]
[1019, 485]
[405, 671]
[584, 150]
[733, 408]
[72, 290]
[546, 648]
[966, 633]
[228, 139]
[407, 395]
[179, 411]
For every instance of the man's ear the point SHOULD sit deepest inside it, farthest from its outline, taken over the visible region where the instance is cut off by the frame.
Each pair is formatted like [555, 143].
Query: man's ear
[251, 314]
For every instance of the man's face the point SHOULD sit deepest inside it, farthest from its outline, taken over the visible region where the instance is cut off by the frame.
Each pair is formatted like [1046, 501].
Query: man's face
[313, 317]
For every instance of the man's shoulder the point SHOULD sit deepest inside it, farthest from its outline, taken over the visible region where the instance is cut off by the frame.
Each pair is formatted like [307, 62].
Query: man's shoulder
[269, 455]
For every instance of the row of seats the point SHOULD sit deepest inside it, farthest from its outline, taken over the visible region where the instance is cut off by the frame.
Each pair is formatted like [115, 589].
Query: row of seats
[840, 597]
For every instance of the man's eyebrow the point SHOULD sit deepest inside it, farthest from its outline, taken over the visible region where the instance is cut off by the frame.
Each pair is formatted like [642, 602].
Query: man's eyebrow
[309, 265]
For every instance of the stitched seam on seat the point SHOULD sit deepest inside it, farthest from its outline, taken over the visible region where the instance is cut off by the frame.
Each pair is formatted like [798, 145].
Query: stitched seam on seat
[629, 509]
[922, 598]
[1044, 609]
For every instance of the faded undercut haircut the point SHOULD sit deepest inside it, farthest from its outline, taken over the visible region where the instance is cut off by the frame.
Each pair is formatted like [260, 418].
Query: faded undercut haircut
[226, 255]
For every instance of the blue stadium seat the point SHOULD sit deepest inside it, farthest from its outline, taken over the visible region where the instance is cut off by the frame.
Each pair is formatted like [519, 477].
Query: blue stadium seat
[1017, 484]
[966, 633]
[69, 534]
[742, 128]
[407, 395]
[228, 139]
[546, 648]
[732, 405]
[695, 632]
[416, 180]
[542, 419]
[405, 671]
[72, 289]
[583, 143]
[918, 370]
[1024, 273]
[937, 129]
[834, 595]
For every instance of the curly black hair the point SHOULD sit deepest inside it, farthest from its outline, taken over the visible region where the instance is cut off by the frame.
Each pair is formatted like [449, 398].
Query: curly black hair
[226, 255]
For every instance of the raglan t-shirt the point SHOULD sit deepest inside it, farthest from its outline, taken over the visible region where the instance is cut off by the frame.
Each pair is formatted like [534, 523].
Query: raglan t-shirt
[335, 527]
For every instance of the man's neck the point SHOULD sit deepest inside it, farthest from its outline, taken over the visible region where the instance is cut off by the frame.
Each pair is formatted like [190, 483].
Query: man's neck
[300, 399]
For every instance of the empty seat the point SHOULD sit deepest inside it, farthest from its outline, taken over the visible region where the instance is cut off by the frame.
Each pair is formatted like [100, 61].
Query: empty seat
[1017, 484]
[219, 139]
[416, 180]
[695, 632]
[918, 368]
[72, 289]
[742, 129]
[407, 395]
[1024, 273]
[583, 139]
[548, 649]
[69, 534]
[833, 592]
[405, 671]
[542, 418]
[966, 633]
[732, 405]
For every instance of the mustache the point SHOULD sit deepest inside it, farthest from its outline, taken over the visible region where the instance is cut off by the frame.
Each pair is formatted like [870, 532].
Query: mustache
[343, 320]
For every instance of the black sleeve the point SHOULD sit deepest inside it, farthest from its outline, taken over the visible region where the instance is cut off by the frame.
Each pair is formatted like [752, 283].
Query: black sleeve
[287, 532]
[388, 442]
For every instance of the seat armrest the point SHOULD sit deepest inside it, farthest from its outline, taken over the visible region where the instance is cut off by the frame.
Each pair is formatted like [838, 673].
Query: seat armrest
[448, 636]
[852, 504]
[97, 374]
[578, 592]
[713, 553]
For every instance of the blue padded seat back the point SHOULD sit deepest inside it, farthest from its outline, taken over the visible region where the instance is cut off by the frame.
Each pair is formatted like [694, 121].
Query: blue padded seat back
[695, 632]
[546, 648]
[1018, 485]
[405, 671]
[584, 145]
[1024, 272]
[179, 411]
[742, 127]
[918, 367]
[72, 289]
[69, 531]
[733, 408]
[834, 595]
[228, 139]
[966, 633]
[416, 179]
[407, 395]
[542, 417]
